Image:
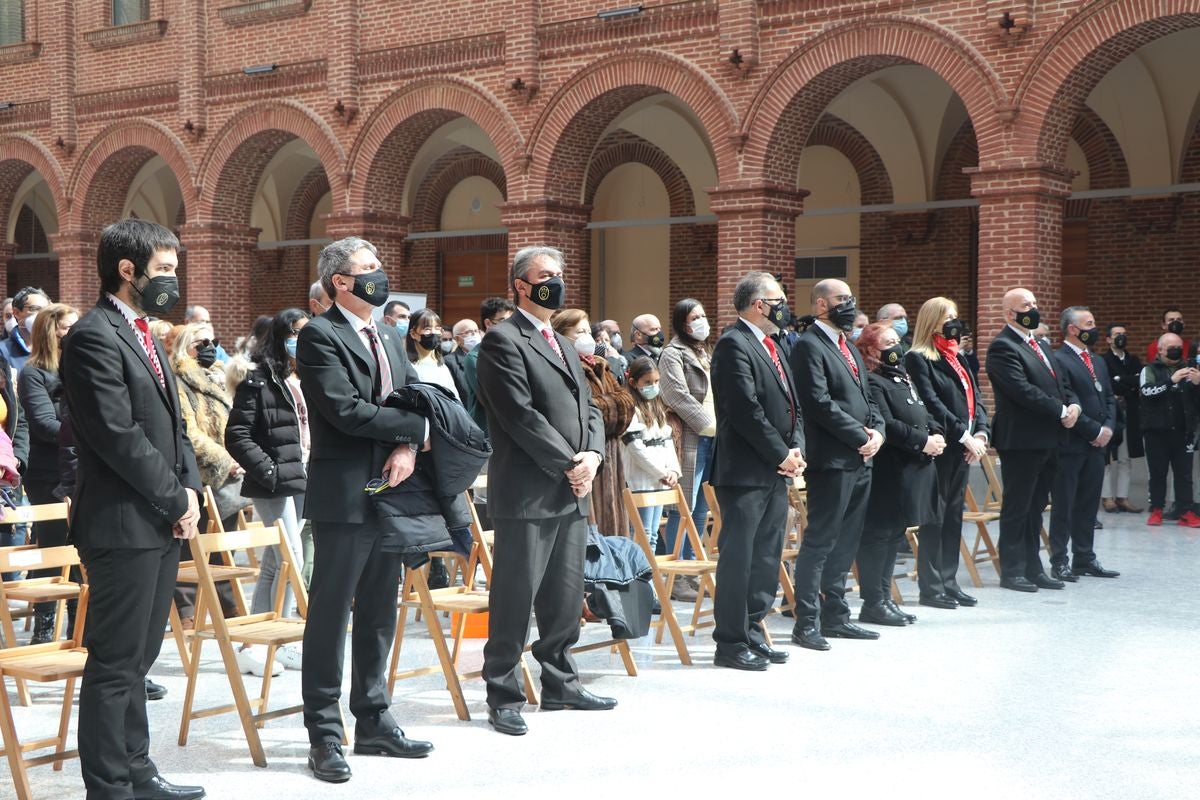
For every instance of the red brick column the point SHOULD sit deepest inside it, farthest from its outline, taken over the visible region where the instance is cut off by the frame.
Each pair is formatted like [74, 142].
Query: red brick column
[7, 250]
[560, 225]
[387, 232]
[78, 282]
[756, 230]
[222, 270]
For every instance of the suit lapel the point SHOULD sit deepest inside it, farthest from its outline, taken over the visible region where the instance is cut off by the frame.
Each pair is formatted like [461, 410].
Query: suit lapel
[841, 359]
[543, 348]
[760, 349]
[396, 355]
[125, 334]
[345, 331]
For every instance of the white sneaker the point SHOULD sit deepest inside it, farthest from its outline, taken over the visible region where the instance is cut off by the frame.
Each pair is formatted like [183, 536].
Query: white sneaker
[289, 656]
[251, 661]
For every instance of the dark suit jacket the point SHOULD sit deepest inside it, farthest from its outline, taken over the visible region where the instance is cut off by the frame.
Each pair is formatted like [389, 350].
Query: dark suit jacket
[135, 458]
[1125, 376]
[904, 481]
[351, 434]
[1029, 399]
[939, 388]
[758, 419]
[1099, 407]
[456, 362]
[836, 407]
[540, 414]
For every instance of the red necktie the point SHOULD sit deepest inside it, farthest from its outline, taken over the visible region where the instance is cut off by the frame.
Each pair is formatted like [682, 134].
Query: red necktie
[151, 352]
[382, 368]
[1087, 359]
[553, 342]
[846, 355]
[770, 345]
[1041, 356]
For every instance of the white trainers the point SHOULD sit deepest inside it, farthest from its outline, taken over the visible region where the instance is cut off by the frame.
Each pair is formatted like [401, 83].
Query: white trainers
[251, 661]
[289, 656]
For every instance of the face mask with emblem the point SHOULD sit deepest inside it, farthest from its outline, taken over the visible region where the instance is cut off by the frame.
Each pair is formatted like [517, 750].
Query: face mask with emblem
[1028, 319]
[158, 295]
[371, 287]
[550, 293]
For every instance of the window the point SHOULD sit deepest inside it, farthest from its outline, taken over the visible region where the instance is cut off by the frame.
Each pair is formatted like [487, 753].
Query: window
[127, 12]
[12, 21]
[820, 267]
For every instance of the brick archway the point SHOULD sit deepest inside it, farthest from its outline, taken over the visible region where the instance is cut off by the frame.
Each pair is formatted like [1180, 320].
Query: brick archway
[382, 156]
[443, 175]
[21, 155]
[874, 182]
[570, 126]
[1107, 168]
[233, 164]
[109, 164]
[1078, 56]
[793, 98]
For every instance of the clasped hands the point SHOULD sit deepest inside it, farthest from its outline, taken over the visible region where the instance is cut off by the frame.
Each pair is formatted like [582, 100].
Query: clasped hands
[1073, 412]
[874, 442]
[583, 472]
[185, 526]
[974, 448]
[793, 465]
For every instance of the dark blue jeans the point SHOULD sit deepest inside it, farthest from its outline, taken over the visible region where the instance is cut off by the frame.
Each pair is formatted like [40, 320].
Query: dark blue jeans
[699, 503]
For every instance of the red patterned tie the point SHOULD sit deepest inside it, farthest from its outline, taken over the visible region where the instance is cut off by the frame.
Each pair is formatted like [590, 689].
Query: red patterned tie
[151, 352]
[846, 354]
[382, 367]
[1041, 356]
[770, 345]
[548, 335]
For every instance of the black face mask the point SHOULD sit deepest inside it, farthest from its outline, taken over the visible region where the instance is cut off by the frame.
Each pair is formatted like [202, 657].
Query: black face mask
[892, 358]
[370, 287]
[206, 356]
[550, 293]
[1089, 336]
[654, 339]
[1028, 319]
[842, 315]
[1120, 340]
[1175, 326]
[1174, 353]
[430, 341]
[778, 314]
[952, 330]
[159, 294]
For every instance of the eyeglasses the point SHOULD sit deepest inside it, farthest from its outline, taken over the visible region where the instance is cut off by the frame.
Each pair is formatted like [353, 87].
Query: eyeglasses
[375, 486]
[844, 298]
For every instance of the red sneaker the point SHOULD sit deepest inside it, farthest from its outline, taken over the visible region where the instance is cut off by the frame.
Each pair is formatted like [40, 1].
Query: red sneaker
[1189, 519]
[1155, 517]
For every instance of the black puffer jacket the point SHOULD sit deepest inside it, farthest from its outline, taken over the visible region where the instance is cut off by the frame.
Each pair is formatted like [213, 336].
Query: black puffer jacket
[263, 436]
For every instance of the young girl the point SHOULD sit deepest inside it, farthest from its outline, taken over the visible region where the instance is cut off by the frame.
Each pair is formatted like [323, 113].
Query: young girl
[648, 452]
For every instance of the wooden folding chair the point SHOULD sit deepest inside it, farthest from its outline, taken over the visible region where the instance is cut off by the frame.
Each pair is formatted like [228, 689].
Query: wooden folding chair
[42, 663]
[28, 515]
[270, 629]
[668, 567]
[995, 494]
[983, 538]
[914, 544]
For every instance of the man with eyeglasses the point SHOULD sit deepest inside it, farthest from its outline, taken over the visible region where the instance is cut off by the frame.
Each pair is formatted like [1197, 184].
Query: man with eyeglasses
[648, 338]
[844, 431]
[26, 304]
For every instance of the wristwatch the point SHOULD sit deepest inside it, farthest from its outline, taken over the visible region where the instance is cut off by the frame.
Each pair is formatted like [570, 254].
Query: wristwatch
[416, 448]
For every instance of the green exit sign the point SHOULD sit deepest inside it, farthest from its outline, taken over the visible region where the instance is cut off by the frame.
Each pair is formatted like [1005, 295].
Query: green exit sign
[466, 281]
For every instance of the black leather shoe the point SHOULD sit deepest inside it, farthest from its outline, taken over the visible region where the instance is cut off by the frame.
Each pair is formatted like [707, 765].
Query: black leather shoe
[1173, 513]
[158, 789]
[1098, 525]
[1018, 585]
[769, 653]
[507, 720]
[810, 638]
[848, 630]
[1094, 569]
[741, 658]
[1044, 581]
[961, 597]
[890, 603]
[393, 743]
[584, 701]
[938, 601]
[155, 691]
[327, 763]
[880, 614]
[1063, 573]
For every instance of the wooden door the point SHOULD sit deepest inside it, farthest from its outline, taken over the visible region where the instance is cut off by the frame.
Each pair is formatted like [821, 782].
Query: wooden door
[469, 278]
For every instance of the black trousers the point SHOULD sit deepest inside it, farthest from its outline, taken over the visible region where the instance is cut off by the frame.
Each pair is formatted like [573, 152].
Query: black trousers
[837, 508]
[877, 561]
[938, 553]
[537, 564]
[1076, 499]
[349, 567]
[1027, 476]
[753, 522]
[129, 601]
[1168, 450]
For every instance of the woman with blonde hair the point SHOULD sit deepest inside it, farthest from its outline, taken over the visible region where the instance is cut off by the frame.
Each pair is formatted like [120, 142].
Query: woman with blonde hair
[945, 383]
[41, 399]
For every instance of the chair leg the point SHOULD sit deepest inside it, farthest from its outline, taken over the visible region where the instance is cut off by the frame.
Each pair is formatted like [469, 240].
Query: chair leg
[453, 684]
[179, 634]
[972, 570]
[668, 587]
[10, 636]
[627, 658]
[397, 643]
[189, 697]
[668, 617]
[531, 692]
[64, 721]
[264, 694]
[242, 700]
[12, 746]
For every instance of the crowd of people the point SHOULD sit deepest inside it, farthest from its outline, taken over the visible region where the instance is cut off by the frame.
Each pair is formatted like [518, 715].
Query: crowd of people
[131, 417]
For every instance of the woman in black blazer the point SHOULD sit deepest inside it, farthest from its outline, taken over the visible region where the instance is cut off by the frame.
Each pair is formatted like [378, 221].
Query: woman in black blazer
[904, 481]
[948, 387]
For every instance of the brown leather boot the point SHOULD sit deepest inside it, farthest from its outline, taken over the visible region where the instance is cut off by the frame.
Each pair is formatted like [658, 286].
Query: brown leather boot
[1109, 506]
[1124, 504]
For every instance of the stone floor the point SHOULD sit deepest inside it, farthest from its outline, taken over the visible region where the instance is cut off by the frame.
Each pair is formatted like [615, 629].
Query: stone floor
[1085, 693]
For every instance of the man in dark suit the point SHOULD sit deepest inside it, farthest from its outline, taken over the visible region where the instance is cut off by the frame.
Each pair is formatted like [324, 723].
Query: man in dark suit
[347, 369]
[1124, 370]
[1080, 473]
[134, 501]
[647, 338]
[547, 443]
[759, 448]
[1033, 407]
[843, 431]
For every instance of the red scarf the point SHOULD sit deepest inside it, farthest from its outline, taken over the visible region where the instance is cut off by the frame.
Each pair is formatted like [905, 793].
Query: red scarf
[949, 351]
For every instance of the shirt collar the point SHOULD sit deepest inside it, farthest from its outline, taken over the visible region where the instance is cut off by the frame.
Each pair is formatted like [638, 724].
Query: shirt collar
[757, 331]
[126, 310]
[833, 333]
[1026, 335]
[355, 321]
[1078, 350]
[537, 323]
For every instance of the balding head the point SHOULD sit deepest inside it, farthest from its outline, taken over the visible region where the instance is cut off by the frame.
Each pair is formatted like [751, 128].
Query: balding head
[1166, 342]
[647, 331]
[891, 311]
[1016, 303]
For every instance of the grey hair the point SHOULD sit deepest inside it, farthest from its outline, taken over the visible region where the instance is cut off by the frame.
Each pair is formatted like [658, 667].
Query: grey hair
[315, 291]
[885, 311]
[334, 259]
[185, 338]
[190, 312]
[1069, 315]
[523, 261]
[753, 286]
